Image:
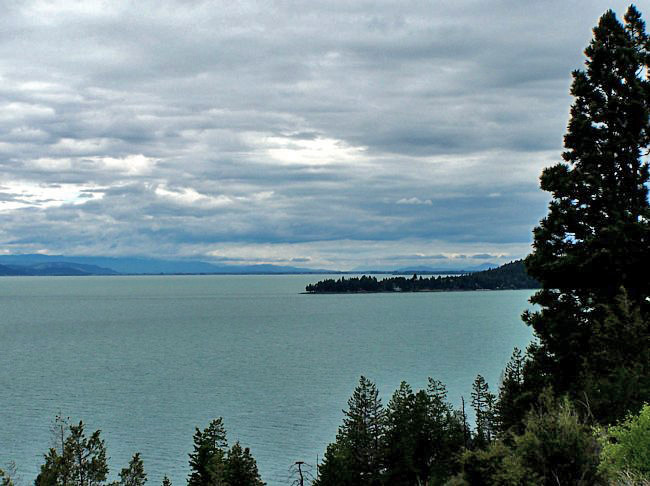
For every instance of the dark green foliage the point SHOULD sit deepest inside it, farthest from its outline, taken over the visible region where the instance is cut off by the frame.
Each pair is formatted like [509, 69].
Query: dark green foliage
[417, 440]
[616, 379]
[404, 419]
[241, 468]
[81, 463]
[337, 466]
[88, 457]
[483, 405]
[363, 429]
[213, 464]
[134, 474]
[493, 466]
[55, 471]
[207, 462]
[556, 447]
[357, 457]
[595, 239]
[509, 276]
[514, 399]
[423, 438]
[166, 481]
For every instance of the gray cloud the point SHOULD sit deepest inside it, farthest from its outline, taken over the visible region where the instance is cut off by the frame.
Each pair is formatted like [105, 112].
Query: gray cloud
[187, 128]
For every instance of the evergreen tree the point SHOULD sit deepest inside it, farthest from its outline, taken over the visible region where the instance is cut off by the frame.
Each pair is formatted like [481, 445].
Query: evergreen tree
[514, 401]
[55, 471]
[442, 437]
[207, 462]
[363, 427]
[483, 405]
[596, 236]
[357, 456]
[336, 468]
[88, 457]
[618, 375]
[166, 481]
[404, 424]
[241, 468]
[134, 474]
[81, 463]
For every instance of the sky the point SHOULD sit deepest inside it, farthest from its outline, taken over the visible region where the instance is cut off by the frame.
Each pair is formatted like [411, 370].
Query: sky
[330, 134]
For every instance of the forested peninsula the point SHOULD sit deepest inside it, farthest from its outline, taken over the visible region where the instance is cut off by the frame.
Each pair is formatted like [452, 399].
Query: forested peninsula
[510, 276]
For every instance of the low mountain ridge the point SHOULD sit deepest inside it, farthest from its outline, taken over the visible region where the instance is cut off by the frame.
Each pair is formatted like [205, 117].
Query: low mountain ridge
[54, 269]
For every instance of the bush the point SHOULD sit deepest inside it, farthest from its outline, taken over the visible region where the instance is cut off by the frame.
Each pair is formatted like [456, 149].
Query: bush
[626, 449]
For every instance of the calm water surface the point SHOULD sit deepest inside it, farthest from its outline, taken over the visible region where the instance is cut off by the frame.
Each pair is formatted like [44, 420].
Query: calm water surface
[146, 359]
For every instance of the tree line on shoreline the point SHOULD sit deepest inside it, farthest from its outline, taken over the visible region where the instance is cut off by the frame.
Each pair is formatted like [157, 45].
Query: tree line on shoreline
[510, 276]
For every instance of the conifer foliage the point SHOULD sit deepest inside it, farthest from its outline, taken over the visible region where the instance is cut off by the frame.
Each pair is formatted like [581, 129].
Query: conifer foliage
[595, 241]
[415, 440]
[207, 462]
[356, 456]
[134, 474]
[483, 405]
[81, 462]
[213, 464]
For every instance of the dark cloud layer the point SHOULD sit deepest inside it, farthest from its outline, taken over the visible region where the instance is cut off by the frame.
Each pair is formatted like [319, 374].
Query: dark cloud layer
[321, 133]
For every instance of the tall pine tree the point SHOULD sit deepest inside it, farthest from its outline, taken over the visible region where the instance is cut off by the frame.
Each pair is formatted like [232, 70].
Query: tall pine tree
[483, 405]
[356, 458]
[595, 239]
[208, 461]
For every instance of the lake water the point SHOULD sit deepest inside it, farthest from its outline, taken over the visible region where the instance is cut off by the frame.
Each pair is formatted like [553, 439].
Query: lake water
[146, 359]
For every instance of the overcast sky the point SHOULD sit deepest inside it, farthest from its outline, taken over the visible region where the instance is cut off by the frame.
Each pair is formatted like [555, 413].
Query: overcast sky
[321, 134]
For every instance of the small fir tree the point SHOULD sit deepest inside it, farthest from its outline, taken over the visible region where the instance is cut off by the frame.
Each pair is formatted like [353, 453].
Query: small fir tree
[483, 405]
[513, 402]
[241, 468]
[134, 474]
[207, 462]
[88, 457]
[82, 462]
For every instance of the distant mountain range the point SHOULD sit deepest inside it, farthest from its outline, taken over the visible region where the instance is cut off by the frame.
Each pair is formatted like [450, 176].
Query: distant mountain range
[54, 269]
[37, 264]
[59, 265]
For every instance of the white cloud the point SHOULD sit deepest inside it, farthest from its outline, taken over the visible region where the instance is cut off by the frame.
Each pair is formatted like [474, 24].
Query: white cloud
[21, 194]
[134, 165]
[414, 201]
[186, 196]
[320, 151]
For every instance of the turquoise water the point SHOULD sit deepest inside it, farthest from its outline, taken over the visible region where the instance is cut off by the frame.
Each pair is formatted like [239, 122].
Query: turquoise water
[146, 359]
